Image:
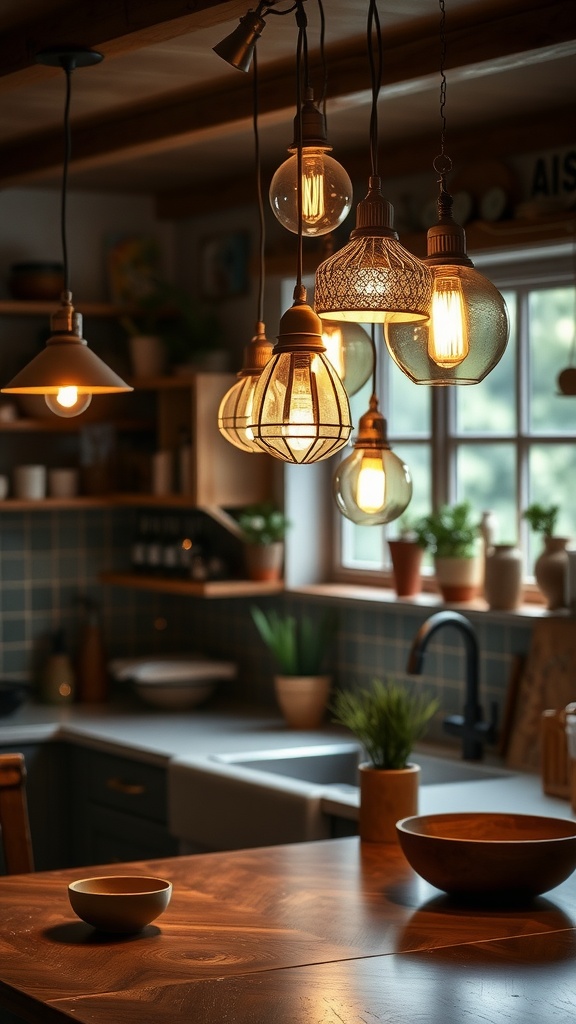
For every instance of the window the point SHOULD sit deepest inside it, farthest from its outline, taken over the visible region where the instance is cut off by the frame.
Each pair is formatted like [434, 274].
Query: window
[501, 444]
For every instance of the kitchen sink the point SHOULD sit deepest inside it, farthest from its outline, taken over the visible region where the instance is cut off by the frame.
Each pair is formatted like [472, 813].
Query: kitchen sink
[227, 801]
[337, 765]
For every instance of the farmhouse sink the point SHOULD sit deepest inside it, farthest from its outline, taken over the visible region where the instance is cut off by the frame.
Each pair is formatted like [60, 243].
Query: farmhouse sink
[265, 797]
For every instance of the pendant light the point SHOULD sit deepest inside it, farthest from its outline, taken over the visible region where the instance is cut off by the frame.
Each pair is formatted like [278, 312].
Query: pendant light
[66, 371]
[301, 412]
[467, 332]
[235, 412]
[372, 486]
[349, 349]
[567, 377]
[238, 48]
[373, 278]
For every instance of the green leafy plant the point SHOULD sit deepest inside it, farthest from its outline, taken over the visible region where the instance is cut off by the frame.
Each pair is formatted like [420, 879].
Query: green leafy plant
[388, 719]
[412, 531]
[299, 646]
[263, 523]
[542, 518]
[185, 326]
[451, 531]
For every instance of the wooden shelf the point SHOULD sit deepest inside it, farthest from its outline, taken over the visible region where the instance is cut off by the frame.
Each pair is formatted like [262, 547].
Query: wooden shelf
[22, 307]
[56, 425]
[192, 588]
[53, 504]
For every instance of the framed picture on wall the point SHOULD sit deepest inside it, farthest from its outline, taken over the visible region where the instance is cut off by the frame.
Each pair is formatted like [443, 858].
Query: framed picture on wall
[224, 269]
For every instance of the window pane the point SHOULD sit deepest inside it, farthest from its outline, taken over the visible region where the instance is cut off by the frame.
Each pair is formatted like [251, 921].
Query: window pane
[551, 319]
[408, 408]
[552, 482]
[490, 407]
[486, 475]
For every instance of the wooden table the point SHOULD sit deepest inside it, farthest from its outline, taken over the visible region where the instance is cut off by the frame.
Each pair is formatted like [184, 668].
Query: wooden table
[331, 932]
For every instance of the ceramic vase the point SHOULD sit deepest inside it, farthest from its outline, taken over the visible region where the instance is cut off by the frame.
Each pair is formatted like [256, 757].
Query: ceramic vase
[147, 355]
[458, 579]
[503, 577]
[550, 570]
[264, 562]
[406, 558]
[303, 699]
[386, 796]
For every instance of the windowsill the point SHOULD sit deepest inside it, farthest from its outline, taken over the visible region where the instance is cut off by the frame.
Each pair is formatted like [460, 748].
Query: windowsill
[351, 593]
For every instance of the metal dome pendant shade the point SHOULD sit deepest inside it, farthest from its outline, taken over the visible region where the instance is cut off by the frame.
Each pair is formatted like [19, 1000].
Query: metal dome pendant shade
[373, 279]
[301, 409]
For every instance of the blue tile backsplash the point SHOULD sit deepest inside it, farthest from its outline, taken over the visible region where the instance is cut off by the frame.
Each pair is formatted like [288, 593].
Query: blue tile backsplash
[49, 559]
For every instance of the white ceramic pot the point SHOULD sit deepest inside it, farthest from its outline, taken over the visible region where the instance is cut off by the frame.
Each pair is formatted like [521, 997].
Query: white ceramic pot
[459, 579]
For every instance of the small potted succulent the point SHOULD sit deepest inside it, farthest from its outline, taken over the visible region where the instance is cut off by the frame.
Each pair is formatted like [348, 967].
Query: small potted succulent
[264, 528]
[300, 646]
[551, 565]
[387, 719]
[452, 533]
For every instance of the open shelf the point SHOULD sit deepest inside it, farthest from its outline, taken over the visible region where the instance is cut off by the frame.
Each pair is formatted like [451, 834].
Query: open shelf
[192, 588]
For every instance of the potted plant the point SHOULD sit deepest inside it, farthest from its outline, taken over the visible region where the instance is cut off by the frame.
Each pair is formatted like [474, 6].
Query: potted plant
[406, 551]
[551, 565]
[388, 719]
[263, 526]
[299, 647]
[452, 534]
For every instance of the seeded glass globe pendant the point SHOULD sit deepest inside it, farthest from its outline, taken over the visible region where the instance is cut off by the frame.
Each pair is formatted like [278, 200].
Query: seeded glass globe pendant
[349, 349]
[301, 412]
[236, 408]
[467, 332]
[372, 486]
[66, 371]
[326, 186]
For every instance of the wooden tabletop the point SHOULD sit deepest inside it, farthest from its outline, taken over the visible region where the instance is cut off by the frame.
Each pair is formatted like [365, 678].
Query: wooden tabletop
[333, 932]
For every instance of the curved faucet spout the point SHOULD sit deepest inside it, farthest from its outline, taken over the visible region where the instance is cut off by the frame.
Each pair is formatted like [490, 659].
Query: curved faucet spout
[470, 726]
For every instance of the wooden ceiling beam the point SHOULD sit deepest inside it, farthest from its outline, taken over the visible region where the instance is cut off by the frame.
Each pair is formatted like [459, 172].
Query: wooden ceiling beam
[476, 35]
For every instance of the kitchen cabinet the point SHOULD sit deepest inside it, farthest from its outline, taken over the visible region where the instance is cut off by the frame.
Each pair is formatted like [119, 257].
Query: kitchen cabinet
[119, 808]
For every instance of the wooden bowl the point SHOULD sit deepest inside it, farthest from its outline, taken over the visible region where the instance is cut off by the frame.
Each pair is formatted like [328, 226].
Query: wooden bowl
[119, 903]
[504, 856]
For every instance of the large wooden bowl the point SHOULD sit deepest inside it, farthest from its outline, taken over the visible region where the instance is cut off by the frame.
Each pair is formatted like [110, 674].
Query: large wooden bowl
[490, 855]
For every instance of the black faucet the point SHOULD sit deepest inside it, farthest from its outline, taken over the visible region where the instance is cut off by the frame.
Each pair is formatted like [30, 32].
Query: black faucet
[470, 726]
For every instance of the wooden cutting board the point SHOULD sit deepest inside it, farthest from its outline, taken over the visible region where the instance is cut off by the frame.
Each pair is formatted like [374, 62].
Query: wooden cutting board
[548, 680]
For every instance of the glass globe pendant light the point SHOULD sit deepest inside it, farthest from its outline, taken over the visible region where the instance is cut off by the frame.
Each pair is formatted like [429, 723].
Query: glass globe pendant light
[467, 332]
[66, 371]
[301, 412]
[373, 278]
[372, 486]
[349, 349]
[236, 408]
[326, 186]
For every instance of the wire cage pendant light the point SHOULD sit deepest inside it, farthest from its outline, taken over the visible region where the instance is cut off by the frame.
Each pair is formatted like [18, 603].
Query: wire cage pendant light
[373, 278]
[301, 412]
[66, 371]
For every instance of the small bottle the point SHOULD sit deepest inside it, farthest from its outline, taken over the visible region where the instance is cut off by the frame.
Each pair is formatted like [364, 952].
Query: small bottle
[138, 546]
[58, 678]
[91, 662]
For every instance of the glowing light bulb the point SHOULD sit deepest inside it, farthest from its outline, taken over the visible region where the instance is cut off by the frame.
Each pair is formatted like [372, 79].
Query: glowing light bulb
[448, 334]
[67, 402]
[371, 486]
[299, 428]
[326, 192]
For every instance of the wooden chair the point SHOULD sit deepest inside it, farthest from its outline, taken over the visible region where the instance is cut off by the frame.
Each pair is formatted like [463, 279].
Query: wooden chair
[14, 822]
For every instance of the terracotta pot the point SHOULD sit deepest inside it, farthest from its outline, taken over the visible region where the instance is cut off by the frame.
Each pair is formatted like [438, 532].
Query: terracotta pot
[458, 579]
[303, 699]
[264, 562]
[503, 577]
[406, 558]
[550, 570]
[386, 796]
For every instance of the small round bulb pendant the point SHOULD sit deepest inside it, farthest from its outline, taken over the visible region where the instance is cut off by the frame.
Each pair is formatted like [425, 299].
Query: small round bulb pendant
[372, 486]
[236, 408]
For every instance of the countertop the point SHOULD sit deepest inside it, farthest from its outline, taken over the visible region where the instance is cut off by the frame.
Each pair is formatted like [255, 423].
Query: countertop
[334, 932]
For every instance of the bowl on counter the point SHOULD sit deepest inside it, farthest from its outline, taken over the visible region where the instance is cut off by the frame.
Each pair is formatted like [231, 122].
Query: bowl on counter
[490, 856]
[123, 904]
[12, 695]
[175, 683]
[36, 280]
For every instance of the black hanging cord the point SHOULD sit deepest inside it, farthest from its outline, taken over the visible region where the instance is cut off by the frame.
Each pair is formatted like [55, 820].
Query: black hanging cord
[373, 341]
[442, 164]
[68, 68]
[375, 62]
[301, 50]
[323, 57]
[262, 237]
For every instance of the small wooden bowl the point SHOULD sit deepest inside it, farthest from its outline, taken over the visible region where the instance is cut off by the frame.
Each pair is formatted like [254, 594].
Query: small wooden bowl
[119, 903]
[502, 856]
